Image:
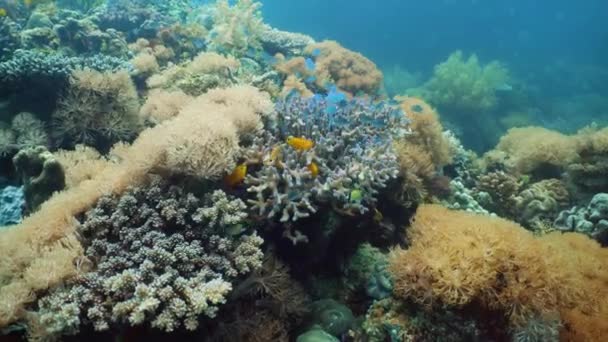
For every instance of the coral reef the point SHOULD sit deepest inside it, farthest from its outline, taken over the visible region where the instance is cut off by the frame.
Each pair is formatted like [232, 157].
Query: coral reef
[26, 67]
[25, 131]
[161, 256]
[286, 43]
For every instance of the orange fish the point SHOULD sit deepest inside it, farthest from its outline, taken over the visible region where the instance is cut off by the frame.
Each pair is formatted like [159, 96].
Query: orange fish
[300, 144]
[274, 157]
[313, 168]
[237, 176]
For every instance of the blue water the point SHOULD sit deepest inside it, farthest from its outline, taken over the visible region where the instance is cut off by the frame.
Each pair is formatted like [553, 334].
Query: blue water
[421, 34]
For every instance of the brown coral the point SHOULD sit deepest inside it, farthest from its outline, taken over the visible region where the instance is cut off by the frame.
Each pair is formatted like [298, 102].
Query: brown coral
[541, 203]
[537, 150]
[502, 188]
[457, 258]
[427, 131]
[350, 71]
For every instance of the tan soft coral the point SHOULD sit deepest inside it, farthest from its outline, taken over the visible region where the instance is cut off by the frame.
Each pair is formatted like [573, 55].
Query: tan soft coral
[427, 131]
[536, 149]
[422, 152]
[348, 70]
[458, 259]
[163, 105]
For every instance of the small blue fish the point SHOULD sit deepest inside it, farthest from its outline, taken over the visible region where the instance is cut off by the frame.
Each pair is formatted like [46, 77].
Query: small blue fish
[310, 79]
[316, 52]
[199, 43]
[310, 64]
[334, 96]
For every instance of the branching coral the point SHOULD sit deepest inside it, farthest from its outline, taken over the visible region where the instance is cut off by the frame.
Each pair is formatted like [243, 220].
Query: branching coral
[350, 157]
[162, 256]
[460, 259]
[465, 86]
[350, 71]
[98, 109]
[42, 251]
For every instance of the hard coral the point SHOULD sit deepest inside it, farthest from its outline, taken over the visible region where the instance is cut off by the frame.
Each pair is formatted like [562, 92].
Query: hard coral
[541, 203]
[160, 258]
[350, 148]
[460, 259]
[350, 71]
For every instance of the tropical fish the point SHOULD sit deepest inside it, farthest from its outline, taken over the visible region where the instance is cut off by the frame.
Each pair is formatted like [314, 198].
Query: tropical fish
[3, 12]
[310, 64]
[314, 169]
[237, 176]
[274, 157]
[300, 144]
[356, 196]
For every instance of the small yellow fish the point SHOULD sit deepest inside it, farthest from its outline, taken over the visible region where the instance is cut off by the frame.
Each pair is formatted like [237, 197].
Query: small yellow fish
[3, 12]
[314, 169]
[237, 176]
[301, 144]
[274, 157]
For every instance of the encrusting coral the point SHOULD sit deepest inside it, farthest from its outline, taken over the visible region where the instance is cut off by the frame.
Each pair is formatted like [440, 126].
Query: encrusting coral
[161, 256]
[460, 259]
[541, 202]
[40, 173]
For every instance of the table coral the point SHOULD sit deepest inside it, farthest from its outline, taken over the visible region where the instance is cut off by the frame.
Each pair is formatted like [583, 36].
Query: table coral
[162, 256]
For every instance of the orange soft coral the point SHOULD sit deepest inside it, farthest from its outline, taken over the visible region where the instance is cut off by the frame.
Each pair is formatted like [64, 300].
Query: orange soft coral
[457, 259]
[350, 71]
